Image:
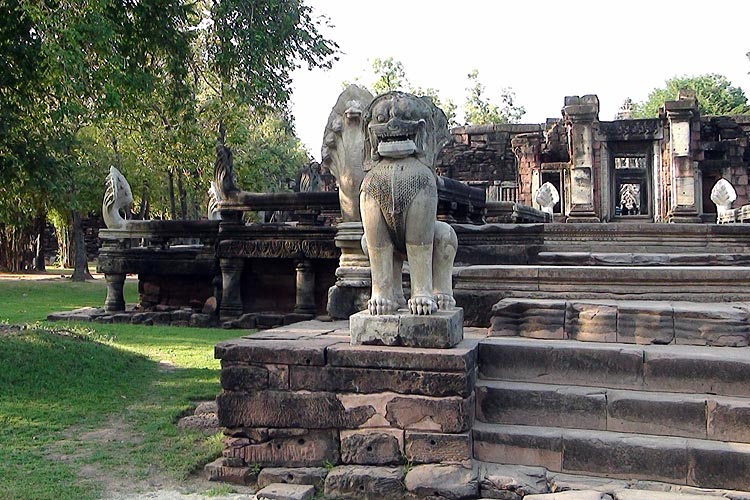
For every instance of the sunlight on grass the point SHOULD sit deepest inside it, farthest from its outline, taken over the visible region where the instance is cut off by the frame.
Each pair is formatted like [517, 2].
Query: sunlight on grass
[61, 381]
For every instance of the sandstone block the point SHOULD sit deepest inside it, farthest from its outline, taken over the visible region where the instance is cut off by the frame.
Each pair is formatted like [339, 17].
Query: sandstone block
[435, 447]
[695, 370]
[442, 481]
[283, 491]
[278, 376]
[523, 445]
[507, 481]
[161, 318]
[663, 495]
[543, 405]
[368, 380]
[372, 447]
[571, 495]
[642, 322]
[246, 321]
[710, 324]
[656, 413]
[591, 322]
[625, 456]
[442, 329]
[314, 476]
[309, 351]
[244, 377]
[320, 410]
[713, 464]
[359, 482]
[201, 320]
[295, 448]
[217, 471]
[728, 419]
[180, 315]
[574, 362]
[533, 318]
[461, 358]
[431, 414]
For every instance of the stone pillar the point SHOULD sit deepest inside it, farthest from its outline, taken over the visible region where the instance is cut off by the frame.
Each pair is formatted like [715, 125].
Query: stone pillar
[231, 295]
[580, 114]
[680, 114]
[305, 298]
[115, 301]
[352, 289]
[527, 148]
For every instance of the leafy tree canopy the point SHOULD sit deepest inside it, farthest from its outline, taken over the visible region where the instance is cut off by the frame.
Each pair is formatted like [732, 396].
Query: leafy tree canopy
[715, 94]
[479, 110]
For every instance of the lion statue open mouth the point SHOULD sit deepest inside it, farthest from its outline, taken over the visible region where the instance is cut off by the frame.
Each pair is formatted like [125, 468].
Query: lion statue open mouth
[398, 202]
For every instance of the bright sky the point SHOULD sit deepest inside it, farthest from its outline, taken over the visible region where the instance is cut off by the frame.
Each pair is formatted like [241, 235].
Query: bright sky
[542, 49]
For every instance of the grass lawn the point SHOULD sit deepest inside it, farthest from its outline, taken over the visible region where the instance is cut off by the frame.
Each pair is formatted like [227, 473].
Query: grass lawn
[86, 408]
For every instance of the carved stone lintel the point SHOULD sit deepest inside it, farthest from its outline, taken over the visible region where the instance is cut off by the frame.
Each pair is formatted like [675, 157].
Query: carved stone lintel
[115, 301]
[278, 248]
[231, 296]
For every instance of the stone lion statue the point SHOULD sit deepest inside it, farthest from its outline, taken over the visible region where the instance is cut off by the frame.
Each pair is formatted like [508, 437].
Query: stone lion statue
[117, 196]
[343, 150]
[398, 203]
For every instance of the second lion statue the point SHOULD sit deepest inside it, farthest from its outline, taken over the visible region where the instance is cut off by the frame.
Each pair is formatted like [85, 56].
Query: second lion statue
[398, 203]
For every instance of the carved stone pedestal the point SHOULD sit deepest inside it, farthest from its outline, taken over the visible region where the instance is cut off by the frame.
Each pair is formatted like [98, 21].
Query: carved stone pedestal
[352, 289]
[442, 330]
[303, 397]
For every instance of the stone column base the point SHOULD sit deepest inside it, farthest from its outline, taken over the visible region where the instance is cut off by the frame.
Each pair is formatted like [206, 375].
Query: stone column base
[684, 215]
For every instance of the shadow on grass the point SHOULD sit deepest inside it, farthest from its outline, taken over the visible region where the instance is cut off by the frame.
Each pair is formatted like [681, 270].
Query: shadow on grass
[56, 386]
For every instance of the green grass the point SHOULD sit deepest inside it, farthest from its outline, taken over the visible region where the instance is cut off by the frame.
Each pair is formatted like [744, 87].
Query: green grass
[62, 384]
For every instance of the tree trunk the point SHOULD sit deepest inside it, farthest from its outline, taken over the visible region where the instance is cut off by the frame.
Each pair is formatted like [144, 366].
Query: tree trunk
[81, 269]
[183, 198]
[143, 212]
[172, 204]
[40, 224]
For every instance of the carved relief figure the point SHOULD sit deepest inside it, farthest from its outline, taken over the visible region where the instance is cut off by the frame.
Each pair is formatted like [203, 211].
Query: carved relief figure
[398, 201]
[117, 196]
[723, 195]
[214, 197]
[343, 147]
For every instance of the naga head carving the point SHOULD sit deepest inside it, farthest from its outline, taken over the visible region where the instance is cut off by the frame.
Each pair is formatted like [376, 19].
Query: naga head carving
[398, 125]
[117, 196]
[343, 147]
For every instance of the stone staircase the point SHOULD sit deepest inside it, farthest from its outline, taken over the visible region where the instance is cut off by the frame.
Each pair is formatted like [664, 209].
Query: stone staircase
[670, 413]
[617, 352]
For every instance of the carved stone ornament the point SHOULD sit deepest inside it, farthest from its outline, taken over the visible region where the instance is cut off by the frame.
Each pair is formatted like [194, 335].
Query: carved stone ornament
[547, 197]
[214, 198]
[723, 195]
[117, 196]
[398, 202]
[343, 147]
[278, 248]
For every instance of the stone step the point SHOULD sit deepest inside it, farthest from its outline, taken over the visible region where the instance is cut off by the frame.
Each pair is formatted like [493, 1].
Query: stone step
[700, 416]
[642, 259]
[624, 321]
[693, 462]
[478, 288]
[661, 368]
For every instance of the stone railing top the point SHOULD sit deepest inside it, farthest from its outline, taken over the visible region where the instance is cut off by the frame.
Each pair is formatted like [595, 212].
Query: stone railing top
[163, 230]
[246, 202]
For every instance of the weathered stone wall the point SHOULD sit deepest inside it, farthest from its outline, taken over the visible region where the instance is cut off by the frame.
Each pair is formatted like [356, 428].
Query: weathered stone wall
[483, 154]
[723, 151]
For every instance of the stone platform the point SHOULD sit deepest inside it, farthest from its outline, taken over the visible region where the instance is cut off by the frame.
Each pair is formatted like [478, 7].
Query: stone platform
[304, 396]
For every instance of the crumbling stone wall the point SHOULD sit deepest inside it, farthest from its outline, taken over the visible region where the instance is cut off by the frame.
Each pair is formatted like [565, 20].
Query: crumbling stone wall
[723, 152]
[482, 155]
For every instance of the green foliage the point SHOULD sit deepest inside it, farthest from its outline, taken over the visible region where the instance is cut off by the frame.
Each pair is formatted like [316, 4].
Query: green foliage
[390, 75]
[142, 85]
[479, 110]
[715, 94]
[64, 385]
